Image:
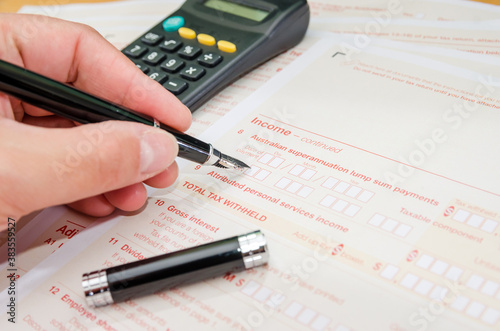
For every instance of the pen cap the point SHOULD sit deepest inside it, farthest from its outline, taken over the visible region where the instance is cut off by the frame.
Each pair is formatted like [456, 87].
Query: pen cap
[253, 249]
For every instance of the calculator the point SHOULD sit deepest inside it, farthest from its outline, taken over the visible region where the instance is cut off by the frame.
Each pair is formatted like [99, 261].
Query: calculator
[206, 44]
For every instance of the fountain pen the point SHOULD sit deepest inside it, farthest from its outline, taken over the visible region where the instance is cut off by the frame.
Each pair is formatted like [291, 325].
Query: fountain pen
[71, 103]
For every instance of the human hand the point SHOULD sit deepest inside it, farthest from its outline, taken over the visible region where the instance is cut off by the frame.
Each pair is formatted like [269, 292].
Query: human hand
[94, 168]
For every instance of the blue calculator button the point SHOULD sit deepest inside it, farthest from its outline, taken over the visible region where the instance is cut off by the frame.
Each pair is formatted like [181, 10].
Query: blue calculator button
[173, 23]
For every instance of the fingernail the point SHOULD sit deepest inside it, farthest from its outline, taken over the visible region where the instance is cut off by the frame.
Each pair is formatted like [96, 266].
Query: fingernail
[158, 151]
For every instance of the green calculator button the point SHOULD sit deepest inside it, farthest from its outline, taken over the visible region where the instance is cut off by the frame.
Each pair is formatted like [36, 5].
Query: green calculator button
[173, 23]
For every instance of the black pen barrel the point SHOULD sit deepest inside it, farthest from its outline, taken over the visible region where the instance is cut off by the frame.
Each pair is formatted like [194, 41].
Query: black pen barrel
[148, 276]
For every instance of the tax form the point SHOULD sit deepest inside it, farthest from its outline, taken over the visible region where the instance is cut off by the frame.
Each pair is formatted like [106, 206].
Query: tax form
[374, 177]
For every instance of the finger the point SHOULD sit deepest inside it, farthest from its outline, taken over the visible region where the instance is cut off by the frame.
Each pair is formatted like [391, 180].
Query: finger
[165, 178]
[48, 121]
[57, 166]
[97, 206]
[77, 54]
[128, 198]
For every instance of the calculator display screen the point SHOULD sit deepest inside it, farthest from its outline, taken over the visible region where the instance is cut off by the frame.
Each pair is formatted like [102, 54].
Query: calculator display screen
[251, 13]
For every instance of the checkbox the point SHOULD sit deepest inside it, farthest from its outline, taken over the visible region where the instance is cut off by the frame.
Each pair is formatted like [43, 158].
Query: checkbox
[454, 273]
[305, 191]
[376, 220]
[293, 309]
[250, 288]
[327, 201]
[262, 174]
[339, 205]
[297, 170]
[461, 215]
[341, 187]
[475, 220]
[308, 174]
[389, 225]
[275, 300]
[439, 267]
[439, 293]
[475, 309]
[330, 182]
[389, 272]
[352, 210]
[283, 182]
[252, 171]
[475, 282]
[490, 288]
[491, 316]
[365, 196]
[423, 287]
[409, 281]
[425, 261]
[276, 162]
[294, 187]
[262, 294]
[402, 230]
[306, 316]
[460, 303]
[265, 158]
[353, 191]
[320, 323]
[489, 226]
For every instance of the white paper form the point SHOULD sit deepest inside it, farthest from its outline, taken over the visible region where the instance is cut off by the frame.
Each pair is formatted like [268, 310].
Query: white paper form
[425, 10]
[379, 199]
[475, 37]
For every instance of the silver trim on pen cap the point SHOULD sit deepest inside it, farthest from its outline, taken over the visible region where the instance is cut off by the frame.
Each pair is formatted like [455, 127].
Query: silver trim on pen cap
[95, 285]
[254, 249]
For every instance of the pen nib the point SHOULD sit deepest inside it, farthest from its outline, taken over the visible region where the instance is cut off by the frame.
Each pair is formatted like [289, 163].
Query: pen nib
[229, 162]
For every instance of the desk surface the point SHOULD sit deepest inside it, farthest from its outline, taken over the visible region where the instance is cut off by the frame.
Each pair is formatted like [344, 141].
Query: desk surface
[15, 5]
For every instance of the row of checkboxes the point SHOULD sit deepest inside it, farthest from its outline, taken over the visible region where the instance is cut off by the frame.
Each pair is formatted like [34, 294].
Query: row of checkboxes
[475, 220]
[294, 187]
[257, 173]
[458, 302]
[390, 225]
[340, 206]
[439, 293]
[271, 160]
[347, 189]
[294, 310]
[439, 267]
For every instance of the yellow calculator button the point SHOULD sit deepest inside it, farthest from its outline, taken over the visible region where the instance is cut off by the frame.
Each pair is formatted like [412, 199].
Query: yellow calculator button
[187, 33]
[226, 46]
[206, 39]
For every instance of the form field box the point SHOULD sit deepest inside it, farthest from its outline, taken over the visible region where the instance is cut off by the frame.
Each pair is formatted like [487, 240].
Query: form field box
[327, 201]
[474, 282]
[425, 261]
[491, 316]
[409, 281]
[439, 267]
[308, 174]
[306, 316]
[262, 174]
[389, 272]
[461, 215]
[297, 170]
[293, 309]
[264, 159]
[320, 323]
[341, 187]
[283, 182]
[330, 182]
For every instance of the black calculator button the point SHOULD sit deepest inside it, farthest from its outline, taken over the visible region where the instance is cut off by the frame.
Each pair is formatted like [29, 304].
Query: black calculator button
[154, 58]
[192, 72]
[189, 52]
[210, 59]
[171, 45]
[152, 38]
[160, 77]
[144, 68]
[135, 51]
[172, 65]
[176, 86]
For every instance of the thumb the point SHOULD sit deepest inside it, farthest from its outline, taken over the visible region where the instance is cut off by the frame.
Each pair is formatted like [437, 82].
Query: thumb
[43, 167]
